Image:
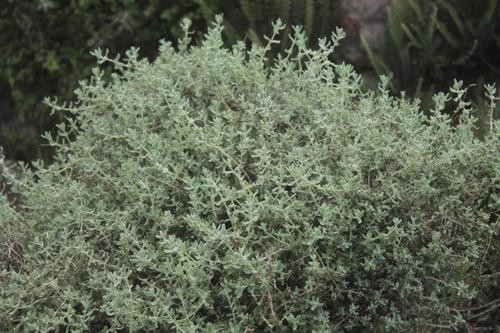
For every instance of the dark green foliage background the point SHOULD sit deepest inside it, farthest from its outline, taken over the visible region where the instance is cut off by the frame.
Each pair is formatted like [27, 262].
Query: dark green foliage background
[45, 51]
[252, 19]
[46, 47]
[209, 192]
[432, 42]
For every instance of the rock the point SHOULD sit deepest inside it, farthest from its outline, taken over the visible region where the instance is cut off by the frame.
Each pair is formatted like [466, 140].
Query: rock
[366, 18]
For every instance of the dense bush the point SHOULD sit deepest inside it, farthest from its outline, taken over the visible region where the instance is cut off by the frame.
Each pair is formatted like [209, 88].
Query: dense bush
[207, 192]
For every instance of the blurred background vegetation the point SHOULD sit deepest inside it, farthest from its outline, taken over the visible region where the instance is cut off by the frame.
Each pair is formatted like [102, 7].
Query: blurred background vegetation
[45, 52]
[430, 43]
[46, 47]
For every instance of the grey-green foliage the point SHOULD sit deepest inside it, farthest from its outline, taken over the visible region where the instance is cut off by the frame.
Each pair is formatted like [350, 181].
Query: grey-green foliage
[206, 192]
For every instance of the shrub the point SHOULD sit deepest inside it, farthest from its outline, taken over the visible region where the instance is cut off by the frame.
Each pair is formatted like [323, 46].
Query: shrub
[207, 192]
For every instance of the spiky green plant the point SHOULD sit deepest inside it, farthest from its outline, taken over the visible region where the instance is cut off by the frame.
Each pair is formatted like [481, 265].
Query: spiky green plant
[432, 42]
[438, 40]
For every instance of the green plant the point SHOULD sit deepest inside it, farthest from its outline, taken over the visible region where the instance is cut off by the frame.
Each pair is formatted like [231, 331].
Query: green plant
[208, 192]
[46, 49]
